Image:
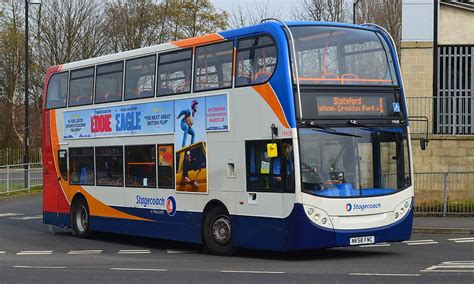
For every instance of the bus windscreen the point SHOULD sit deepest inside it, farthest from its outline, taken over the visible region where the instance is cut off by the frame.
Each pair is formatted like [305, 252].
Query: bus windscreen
[342, 56]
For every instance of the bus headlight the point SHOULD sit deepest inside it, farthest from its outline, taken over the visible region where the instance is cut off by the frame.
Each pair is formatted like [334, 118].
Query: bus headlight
[402, 209]
[318, 216]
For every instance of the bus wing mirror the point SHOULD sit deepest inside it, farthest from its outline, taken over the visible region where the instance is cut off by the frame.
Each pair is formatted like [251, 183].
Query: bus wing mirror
[424, 140]
[272, 150]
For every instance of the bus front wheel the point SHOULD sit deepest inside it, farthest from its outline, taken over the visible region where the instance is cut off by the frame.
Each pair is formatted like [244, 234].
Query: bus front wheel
[80, 219]
[218, 232]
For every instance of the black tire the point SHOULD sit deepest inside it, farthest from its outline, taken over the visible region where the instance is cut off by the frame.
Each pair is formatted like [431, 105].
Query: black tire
[80, 219]
[217, 232]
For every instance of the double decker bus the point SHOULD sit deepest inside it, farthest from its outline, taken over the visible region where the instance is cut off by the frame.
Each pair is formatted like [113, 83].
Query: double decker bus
[278, 136]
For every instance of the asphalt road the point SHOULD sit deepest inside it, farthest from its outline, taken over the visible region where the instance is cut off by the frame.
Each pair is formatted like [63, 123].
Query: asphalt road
[33, 252]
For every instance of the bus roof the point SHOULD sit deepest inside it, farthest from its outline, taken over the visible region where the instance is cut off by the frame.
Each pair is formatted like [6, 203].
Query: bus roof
[208, 38]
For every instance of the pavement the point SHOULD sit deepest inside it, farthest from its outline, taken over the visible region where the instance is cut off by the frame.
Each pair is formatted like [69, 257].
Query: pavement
[443, 225]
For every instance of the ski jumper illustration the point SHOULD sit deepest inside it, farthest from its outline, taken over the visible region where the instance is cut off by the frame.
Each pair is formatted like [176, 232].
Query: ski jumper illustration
[187, 122]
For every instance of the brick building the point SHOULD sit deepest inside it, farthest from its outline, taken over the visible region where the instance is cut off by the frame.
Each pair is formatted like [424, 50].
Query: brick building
[437, 60]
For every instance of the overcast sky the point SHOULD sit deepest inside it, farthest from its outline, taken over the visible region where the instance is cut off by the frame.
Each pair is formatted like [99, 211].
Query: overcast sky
[284, 6]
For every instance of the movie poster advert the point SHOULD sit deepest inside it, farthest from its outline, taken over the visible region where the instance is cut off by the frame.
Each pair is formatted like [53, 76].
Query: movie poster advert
[77, 124]
[140, 119]
[190, 145]
[217, 114]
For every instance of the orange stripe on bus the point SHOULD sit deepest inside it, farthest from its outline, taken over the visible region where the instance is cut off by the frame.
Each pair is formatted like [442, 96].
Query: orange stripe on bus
[267, 93]
[198, 40]
[96, 207]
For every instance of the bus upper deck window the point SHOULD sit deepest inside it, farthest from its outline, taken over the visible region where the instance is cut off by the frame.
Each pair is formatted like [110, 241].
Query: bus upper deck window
[108, 86]
[213, 66]
[256, 60]
[140, 77]
[81, 87]
[174, 72]
[57, 91]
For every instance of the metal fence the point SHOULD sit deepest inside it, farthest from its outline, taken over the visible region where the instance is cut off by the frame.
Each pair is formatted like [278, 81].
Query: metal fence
[442, 194]
[420, 106]
[14, 178]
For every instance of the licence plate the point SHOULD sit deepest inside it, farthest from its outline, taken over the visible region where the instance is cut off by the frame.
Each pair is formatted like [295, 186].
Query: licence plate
[362, 240]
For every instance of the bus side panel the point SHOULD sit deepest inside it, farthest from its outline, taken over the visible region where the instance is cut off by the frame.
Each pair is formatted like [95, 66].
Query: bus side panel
[55, 205]
[152, 229]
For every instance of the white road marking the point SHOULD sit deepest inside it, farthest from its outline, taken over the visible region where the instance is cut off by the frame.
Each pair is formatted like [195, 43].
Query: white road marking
[179, 251]
[417, 241]
[452, 266]
[461, 239]
[138, 269]
[375, 245]
[35, 252]
[252, 271]
[40, 267]
[3, 252]
[10, 214]
[420, 242]
[424, 243]
[27, 217]
[82, 252]
[134, 251]
[464, 241]
[384, 274]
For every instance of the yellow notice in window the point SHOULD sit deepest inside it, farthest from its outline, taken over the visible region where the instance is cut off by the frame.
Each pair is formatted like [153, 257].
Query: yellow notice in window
[272, 150]
[265, 168]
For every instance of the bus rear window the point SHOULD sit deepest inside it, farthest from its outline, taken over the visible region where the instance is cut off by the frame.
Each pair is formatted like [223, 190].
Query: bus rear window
[57, 91]
[342, 56]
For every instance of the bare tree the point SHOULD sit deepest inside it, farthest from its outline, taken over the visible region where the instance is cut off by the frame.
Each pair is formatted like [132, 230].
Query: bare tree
[387, 14]
[241, 17]
[322, 10]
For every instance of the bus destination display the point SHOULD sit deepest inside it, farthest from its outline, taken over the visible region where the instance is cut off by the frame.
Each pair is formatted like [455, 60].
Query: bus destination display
[351, 106]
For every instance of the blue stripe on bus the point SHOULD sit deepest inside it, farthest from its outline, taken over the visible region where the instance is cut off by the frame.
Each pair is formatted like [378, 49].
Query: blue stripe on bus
[296, 232]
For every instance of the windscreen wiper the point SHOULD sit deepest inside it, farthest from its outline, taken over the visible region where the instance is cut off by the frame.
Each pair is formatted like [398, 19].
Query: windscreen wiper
[318, 127]
[356, 123]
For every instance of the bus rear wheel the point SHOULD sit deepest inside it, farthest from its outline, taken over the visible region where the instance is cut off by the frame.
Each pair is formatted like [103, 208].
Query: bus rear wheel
[80, 219]
[218, 232]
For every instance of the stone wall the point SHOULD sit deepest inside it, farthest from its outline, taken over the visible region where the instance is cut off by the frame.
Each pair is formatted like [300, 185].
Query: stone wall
[444, 154]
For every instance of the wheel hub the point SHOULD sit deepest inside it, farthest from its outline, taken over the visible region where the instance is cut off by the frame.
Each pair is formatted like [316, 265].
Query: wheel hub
[221, 230]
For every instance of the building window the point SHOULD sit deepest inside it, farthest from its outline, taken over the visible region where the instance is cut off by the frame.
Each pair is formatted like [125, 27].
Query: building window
[81, 166]
[140, 78]
[454, 103]
[256, 60]
[270, 174]
[109, 165]
[80, 87]
[140, 169]
[165, 166]
[57, 91]
[108, 86]
[213, 66]
[174, 72]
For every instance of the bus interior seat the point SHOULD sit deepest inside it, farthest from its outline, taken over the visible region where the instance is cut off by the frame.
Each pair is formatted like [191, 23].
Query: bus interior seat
[145, 93]
[347, 79]
[81, 100]
[242, 81]
[165, 91]
[262, 76]
[109, 97]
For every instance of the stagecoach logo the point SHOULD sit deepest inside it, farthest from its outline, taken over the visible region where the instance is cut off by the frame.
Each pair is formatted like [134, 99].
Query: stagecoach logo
[362, 207]
[171, 206]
